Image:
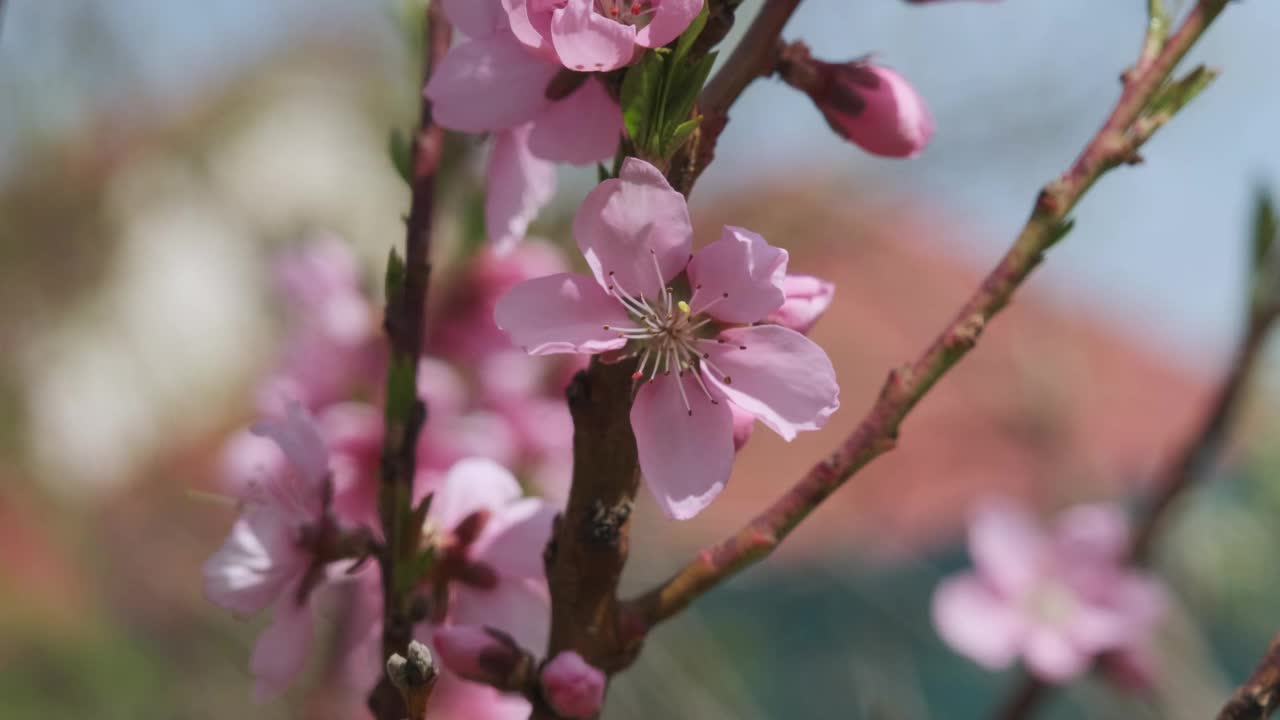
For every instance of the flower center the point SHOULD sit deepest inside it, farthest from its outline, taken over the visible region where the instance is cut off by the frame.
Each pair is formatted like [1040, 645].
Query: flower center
[1052, 603]
[627, 12]
[669, 335]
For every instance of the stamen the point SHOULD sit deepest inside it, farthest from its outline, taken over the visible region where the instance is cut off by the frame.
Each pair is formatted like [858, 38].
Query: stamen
[639, 373]
[683, 395]
[697, 375]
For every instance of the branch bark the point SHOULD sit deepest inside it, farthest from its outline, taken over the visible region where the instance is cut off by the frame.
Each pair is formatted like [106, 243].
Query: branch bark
[1114, 144]
[1259, 697]
[406, 414]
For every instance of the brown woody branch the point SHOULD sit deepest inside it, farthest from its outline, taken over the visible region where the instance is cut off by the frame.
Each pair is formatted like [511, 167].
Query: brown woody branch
[1114, 144]
[1259, 696]
[406, 309]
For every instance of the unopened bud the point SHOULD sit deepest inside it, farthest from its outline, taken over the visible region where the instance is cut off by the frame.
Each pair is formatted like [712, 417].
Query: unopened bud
[571, 687]
[807, 298]
[483, 655]
[869, 105]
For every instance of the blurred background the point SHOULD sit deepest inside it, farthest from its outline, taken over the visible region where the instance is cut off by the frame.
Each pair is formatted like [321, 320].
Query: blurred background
[154, 157]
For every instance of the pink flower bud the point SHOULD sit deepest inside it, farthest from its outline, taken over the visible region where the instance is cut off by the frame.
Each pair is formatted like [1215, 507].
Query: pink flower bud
[869, 105]
[571, 687]
[479, 654]
[807, 298]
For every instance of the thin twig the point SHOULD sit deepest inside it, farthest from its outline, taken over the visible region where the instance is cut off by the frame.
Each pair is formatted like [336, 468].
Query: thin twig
[406, 308]
[1113, 145]
[1259, 696]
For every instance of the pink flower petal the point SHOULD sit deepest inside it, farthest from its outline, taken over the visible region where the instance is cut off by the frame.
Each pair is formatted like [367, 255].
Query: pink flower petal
[476, 18]
[743, 425]
[299, 437]
[1096, 533]
[513, 540]
[807, 298]
[563, 313]
[488, 84]
[1007, 546]
[878, 110]
[1051, 656]
[520, 184]
[685, 458]
[977, 622]
[517, 606]
[588, 41]
[738, 278]
[670, 20]
[281, 652]
[624, 223]
[580, 129]
[471, 485]
[531, 23]
[782, 377]
[573, 688]
[254, 565]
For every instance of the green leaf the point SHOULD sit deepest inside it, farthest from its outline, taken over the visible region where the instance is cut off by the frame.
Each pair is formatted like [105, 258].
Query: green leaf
[1175, 94]
[680, 135]
[690, 35]
[640, 97]
[685, 83]
[393, 284]
[401, 152]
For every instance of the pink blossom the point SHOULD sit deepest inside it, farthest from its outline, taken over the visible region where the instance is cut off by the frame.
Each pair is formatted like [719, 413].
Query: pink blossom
[571, 687]
[265, 561]
[807, 298]
[697, 350]
[492, 82]
[599, 35]
[333, 340]
[1056, 600]
[873, 107]
[489, 541]
[476, 653]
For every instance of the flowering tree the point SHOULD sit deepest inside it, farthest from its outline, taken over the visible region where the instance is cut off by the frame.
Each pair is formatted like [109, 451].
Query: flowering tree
[481, 521]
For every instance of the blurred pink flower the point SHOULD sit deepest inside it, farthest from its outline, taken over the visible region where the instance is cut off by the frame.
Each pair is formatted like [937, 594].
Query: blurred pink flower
[265, 560]
[489, 541]
[636, 236]
[477, 653]
[1056, 600]
[492, 82]
[571, 687]
[874, 107]
[333, 342]
[599, 35]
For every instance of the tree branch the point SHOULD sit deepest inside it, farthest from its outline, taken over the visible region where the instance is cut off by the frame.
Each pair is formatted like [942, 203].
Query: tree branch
[405, 413]
[1259, 697]
[1114, 144]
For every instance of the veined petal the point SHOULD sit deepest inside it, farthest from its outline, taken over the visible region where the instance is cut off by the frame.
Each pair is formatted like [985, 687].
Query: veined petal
[530, 22]
[281, 652]
[488, 84]
[519, 607]
[627, 222]
[781, 377]
[738, 278]
[586, 40]
[299, 437]
[686, 451]
[519, 186]
[671, 18]
[254, 564]
[807, 298]
[580, 129]
[562, 313]
[472, 485]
